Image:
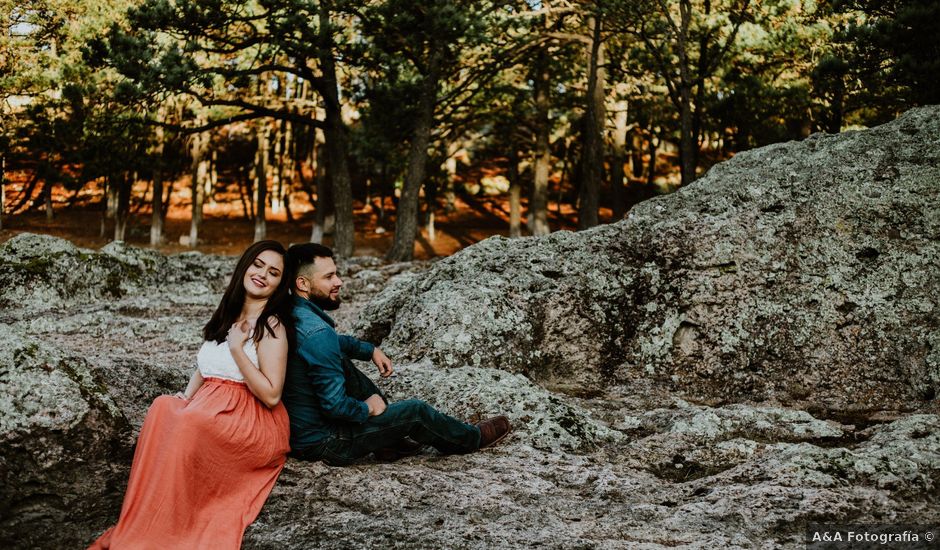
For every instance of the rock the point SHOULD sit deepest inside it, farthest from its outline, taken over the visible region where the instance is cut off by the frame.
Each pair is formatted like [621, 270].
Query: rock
[802, 273]
[518, 497]
[65, 445]
[43, 272]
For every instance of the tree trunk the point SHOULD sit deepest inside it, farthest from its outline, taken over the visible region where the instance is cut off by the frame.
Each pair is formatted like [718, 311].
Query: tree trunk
[592, 151]
[47, 199]
[383, 174]
[336, 142]
[838, 107]
[277, 169]
[325, 221]
[515, 195]
[244, 192]
[123, 206]
[286, 170]
[653, 147]
[156, 199]
[538, 206]
[105, 206]
[620, 158]
[167, 194]
[565, 169]
[261, 182]
[406, 222]
[450, 165]
[686, 139]
[636, 153]
[197, 185]
[430, 202]
[213, 177]
[3, 186]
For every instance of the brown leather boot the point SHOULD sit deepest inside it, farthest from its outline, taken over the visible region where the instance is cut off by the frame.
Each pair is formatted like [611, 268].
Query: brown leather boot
[493, 430]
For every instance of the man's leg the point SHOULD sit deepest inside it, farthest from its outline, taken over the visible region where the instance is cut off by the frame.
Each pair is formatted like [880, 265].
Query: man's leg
[413, 418]
[358, 385]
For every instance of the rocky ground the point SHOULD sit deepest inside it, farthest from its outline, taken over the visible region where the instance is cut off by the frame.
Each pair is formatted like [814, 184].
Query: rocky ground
[752, 354]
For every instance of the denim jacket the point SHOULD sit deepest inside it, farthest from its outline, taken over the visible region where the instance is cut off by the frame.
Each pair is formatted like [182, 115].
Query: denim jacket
[314, 387]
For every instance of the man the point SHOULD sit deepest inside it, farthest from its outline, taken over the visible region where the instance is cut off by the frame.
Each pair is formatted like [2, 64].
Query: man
[336, 413]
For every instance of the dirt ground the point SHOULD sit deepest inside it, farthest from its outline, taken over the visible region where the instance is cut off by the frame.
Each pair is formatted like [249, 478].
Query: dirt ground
[225, 230]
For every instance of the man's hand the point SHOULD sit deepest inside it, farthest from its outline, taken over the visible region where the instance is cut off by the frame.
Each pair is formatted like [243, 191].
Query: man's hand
[376, 404]
[382, 362]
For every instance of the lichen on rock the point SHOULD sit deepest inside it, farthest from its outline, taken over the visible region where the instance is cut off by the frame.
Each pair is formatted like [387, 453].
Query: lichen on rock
[799, 272]
[60, 432]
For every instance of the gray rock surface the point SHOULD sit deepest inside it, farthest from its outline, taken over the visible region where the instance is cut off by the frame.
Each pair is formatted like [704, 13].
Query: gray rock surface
[694, 376]
[803, 272]
[64, 443]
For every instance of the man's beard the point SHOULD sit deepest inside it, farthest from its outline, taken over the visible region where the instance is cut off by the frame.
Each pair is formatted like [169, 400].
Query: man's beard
[326, 303]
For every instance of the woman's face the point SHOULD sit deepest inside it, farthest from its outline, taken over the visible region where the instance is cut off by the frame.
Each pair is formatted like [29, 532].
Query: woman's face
[264, 275]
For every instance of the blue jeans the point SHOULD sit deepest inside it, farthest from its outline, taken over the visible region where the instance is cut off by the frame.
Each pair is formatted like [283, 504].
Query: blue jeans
[412, 418]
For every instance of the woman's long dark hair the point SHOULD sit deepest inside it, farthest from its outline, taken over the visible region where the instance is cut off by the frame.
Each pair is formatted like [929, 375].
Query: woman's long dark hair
[278, 305]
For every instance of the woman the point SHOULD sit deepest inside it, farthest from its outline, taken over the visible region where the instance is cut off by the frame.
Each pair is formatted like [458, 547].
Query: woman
[208, 457]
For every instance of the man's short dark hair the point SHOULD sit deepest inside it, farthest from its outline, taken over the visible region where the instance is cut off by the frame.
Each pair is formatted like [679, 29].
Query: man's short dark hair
[302, 255]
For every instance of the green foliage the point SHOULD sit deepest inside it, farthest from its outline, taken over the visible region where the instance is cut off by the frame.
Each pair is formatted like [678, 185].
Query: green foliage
[84, 83]
[890, 55]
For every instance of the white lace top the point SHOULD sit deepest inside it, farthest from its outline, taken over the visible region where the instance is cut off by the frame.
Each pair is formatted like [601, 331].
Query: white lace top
[216, 361]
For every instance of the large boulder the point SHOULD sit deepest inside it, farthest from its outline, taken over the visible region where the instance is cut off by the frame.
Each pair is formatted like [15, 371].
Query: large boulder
[65, 446]
[41, 272]
[803, 272]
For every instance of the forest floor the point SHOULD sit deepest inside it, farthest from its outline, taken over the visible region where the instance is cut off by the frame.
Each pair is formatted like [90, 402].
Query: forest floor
[226, 229]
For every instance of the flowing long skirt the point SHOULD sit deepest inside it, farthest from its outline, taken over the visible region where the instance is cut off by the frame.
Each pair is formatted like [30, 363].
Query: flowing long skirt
[202, 470]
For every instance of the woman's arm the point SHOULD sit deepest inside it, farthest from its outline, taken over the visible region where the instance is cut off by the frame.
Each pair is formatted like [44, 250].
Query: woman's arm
[195, 381]
[266, 382]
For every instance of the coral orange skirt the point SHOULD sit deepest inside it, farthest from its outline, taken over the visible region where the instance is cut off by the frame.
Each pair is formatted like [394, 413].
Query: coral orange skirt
[202, 470]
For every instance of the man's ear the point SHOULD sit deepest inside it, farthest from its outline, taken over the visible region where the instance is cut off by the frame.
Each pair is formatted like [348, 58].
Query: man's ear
[300, 283]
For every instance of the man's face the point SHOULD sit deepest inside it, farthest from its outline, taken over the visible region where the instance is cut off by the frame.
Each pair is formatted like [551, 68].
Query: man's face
[323, 283]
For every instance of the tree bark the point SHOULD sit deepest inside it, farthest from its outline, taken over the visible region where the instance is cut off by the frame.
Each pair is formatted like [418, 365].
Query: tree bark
[124, 185]
[336, 142]
[3, 186]
[261, 182]
[244, 192]
[653, 152]
[686, 139]
[620, 157]
[592, 152]
[47, 199]
[450, 194]
[212, 179]
[199, 146]
[286, 169]
[168, 194]
[406, 222]
[325, 220]
[156, 199]
[430, 202]
[383, 184]
[277, 170]
[636, 153]
[515, 196]
[538, 206]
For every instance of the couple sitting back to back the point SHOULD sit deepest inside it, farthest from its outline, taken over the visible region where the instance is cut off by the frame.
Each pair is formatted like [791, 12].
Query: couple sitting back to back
[273, 377]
